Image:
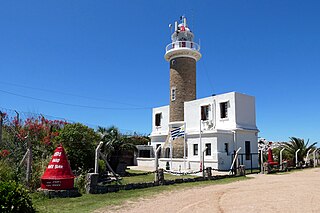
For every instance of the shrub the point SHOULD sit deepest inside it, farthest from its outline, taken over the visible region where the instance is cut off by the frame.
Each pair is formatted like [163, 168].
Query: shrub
[14, 198]
[79, 142]
[80, 183]
[6, 171]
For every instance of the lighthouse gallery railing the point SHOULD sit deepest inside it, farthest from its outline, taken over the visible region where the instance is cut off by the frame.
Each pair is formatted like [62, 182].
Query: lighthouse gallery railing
[183, 44]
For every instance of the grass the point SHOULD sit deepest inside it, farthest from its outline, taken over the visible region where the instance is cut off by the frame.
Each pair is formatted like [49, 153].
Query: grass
[148, 177]
[90, 202]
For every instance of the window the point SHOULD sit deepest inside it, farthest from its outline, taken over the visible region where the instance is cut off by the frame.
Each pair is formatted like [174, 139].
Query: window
[248, 150]
[224, 110]
[208, 150]
[195, 149]
[158, 119]
[144, 154]
[226, 148]
[205, 112]
[173, 94]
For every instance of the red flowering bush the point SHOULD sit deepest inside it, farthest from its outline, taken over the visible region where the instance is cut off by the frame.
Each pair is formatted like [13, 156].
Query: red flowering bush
[4, 153]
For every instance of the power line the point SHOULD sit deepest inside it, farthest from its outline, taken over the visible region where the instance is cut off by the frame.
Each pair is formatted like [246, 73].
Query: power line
[68, 94]
[24, 114]
[73, 105]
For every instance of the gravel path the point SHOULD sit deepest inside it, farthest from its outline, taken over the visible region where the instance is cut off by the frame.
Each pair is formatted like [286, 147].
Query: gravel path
[292, 192]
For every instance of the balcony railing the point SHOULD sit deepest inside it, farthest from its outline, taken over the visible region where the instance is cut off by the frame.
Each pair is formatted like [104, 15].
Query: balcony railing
[183, 44]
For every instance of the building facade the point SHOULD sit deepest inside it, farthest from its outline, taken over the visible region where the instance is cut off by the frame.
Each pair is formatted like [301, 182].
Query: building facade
[221, 123]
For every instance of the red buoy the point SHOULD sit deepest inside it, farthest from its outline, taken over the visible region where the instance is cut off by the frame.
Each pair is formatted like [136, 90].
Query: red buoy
[58, 175]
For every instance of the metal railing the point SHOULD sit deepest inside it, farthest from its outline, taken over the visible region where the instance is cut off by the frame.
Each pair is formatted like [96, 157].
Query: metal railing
[183, 44]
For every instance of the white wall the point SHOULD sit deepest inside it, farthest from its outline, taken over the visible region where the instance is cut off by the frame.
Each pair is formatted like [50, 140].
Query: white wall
[164, 128]
[241, 137]
[245, 111]
[193, 113]
[241, 120]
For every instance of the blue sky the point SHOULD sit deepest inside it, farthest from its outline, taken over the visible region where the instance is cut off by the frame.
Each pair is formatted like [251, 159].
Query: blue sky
[106, 57]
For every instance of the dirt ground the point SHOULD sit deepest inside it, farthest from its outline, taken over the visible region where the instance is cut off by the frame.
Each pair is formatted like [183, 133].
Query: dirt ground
[292, 192]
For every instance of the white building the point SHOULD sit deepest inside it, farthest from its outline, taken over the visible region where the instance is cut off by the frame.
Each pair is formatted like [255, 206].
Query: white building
[221, 123]
[227, 122]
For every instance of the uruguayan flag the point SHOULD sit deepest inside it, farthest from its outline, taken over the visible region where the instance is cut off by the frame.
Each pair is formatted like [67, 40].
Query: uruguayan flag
[177, 132]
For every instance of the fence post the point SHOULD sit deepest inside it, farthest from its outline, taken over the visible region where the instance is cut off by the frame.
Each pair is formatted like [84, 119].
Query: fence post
[156, 165]
[29, 162]
[203, 172]
[251, 161]
[1, 122]
[297, 157]
[96, 166]
[314, 158]
[234, 160]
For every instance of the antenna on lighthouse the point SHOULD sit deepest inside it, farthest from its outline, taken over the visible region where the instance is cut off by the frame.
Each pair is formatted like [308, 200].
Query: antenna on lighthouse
[170, 26]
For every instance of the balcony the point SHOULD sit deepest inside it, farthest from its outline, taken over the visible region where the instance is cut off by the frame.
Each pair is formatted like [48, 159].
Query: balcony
[183, 49]
[183, 44]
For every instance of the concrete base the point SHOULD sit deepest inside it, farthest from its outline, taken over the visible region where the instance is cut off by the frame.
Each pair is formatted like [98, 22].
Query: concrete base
[60, 193]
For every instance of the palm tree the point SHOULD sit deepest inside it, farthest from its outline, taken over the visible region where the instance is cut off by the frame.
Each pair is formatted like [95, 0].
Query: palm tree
[115, 144]
[297, 143]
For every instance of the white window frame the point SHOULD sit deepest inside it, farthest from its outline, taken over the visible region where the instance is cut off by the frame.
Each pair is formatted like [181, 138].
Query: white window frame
[173, 93]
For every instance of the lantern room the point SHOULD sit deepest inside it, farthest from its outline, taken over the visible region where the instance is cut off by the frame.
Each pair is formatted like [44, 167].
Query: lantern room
[182, 42]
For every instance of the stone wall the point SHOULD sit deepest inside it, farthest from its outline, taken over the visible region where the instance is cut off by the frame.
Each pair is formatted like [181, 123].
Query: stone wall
[183, 79]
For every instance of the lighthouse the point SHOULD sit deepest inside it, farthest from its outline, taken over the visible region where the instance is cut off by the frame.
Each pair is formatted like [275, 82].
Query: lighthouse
[182, 55]
[191, 133]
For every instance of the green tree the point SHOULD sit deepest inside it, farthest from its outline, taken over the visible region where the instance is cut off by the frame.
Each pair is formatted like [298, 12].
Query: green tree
[115, 145]
[79, 142]
[297, 143]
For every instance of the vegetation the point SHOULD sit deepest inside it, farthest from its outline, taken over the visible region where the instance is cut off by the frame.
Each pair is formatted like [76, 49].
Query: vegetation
[14, 198]
[43, 136]
[79, 142]
[293, 145]
[115, 145]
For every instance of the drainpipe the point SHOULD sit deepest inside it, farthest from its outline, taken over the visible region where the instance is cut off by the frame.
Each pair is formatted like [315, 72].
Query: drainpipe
[281, 164]
[307, 158]
[297, 157]
[96, 165]
[314, 157]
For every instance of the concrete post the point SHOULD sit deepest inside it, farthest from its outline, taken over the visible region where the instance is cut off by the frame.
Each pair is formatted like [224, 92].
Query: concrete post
[297, 157]
[156, 165]
[96, 165]
[314, 157]
[281, 164]
[307, 158]
[161, 176]
[203, 172]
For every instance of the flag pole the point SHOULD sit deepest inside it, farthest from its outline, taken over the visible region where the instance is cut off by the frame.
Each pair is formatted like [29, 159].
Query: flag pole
[200, 141]
[184, 146]
[170, 153]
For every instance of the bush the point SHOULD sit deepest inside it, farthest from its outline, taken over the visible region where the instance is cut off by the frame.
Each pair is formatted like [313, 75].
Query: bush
[80, 183]
[6, 171]
[14, 198]
[79, 142]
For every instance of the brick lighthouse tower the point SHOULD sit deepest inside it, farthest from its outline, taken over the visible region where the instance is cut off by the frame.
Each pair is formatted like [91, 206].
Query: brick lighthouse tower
[182, 54]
